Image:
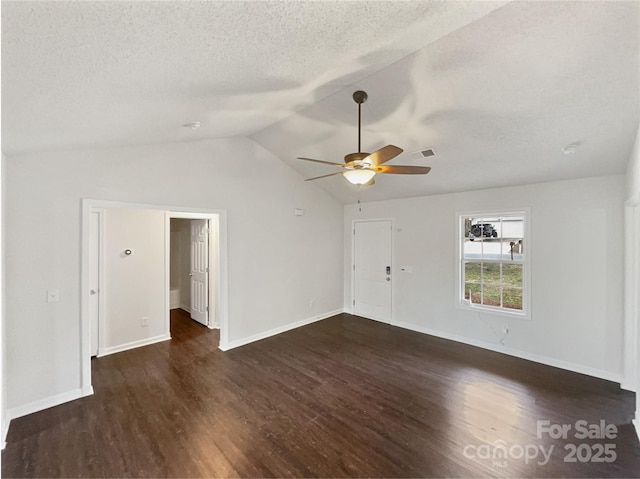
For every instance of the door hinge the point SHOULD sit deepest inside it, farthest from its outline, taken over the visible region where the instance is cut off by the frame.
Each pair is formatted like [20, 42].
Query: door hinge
[354, 232]
[354, 267]
[354, 302]
[207, 269]
[207, 309]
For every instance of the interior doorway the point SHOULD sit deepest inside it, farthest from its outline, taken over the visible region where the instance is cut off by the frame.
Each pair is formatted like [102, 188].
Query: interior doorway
[95, 285]
[195, 266]
[189, 268]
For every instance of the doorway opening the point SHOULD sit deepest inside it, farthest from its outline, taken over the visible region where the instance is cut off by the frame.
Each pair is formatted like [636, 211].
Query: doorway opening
[193, 264]
[210, 299]
[190, 263]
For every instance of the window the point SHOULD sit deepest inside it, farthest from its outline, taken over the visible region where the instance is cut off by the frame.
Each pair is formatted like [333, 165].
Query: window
[493, 262]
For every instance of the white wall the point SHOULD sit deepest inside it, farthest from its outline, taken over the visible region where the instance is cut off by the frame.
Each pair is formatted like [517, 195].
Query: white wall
[185, 264]
[576, 248]
[134, 284]
[175, 258]
[632, 275]
[277, 262]
[181, 259]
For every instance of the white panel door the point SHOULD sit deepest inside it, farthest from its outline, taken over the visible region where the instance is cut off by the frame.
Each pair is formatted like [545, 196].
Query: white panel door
[372, 270]
[200, 270]
[94, 278]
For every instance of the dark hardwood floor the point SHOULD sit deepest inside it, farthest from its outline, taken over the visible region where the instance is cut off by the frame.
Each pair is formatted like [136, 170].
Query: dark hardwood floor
[344, 397]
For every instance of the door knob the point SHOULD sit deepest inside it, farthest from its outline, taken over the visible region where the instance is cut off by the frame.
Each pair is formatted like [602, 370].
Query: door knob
[190, 274]
[93, 291]
[388, 278]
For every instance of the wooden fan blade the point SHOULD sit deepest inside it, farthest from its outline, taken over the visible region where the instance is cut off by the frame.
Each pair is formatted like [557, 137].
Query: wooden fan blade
[382, 155]
[324, 176]
[322, 161]
[402, 170]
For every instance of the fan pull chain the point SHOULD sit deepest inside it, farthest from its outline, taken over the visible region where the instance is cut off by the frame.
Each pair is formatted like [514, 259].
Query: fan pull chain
[359, 207]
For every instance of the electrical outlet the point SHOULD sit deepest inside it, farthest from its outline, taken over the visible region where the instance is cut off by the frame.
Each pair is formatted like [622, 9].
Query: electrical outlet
[505, 329]
[145, 321]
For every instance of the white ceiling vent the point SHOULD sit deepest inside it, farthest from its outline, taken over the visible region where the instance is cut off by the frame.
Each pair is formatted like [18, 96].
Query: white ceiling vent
[419, 154]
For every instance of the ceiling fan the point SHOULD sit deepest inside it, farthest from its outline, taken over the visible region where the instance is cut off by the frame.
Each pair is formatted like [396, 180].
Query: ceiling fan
[360, 168]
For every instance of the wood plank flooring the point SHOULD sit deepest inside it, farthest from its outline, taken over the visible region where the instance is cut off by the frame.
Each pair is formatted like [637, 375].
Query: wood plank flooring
[344, 397]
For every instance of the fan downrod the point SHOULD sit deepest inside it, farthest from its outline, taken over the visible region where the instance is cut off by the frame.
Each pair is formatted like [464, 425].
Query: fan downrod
[368, 163]
[360, 96]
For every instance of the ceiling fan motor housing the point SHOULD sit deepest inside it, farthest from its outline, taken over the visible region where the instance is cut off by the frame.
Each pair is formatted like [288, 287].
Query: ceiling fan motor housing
[353, 157]
[360, 96]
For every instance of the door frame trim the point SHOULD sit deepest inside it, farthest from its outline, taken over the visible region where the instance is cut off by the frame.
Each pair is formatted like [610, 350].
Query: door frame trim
[222, 298]
[101, 304]
[352, 270]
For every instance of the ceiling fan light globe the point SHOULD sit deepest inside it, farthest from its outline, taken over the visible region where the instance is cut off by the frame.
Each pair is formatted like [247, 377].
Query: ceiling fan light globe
[359, 176]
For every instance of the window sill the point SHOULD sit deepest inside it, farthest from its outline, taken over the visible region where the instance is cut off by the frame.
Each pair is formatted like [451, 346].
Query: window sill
[494, 311]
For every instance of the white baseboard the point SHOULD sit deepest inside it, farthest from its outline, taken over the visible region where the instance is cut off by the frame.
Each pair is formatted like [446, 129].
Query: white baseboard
[360, 315]
[48, 402]
[272, 332]
[186, 308]
[134, 344]
[557, 363]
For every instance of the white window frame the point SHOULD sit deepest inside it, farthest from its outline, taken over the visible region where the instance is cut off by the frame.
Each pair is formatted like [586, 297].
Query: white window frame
[461, 303]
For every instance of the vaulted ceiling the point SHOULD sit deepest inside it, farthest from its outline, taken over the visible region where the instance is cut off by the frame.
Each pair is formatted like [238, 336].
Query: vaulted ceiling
[495, 88]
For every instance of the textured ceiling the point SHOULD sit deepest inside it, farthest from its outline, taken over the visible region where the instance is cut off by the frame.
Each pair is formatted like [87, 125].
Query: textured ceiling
[496, 99]
[96, 74]
[495, 88]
